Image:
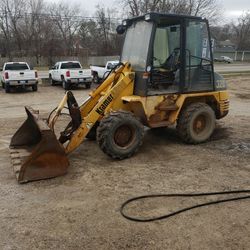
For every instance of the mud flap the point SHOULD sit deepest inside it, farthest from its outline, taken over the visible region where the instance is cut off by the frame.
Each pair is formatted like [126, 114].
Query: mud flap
[35, 151]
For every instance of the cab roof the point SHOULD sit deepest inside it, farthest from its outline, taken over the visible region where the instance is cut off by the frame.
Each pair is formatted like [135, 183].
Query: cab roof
[158, 17]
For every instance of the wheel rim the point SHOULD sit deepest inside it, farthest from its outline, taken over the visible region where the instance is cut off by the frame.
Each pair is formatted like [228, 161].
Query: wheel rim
[200, 124]
[124, 136]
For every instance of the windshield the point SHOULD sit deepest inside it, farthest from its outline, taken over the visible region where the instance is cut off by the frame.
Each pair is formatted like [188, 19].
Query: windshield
[70, 65]
[16, 66]
[136, 44]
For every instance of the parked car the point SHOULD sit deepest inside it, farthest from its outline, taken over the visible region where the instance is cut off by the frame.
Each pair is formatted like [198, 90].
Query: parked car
[99, 73]
[70, 73]
[18, 74]
[225, 59]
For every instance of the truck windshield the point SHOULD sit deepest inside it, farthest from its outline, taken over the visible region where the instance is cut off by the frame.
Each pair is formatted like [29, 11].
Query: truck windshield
[70, 65]
[136, 44]
[16, 66]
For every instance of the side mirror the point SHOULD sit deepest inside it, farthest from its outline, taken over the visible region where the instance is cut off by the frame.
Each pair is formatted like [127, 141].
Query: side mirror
[120, 29]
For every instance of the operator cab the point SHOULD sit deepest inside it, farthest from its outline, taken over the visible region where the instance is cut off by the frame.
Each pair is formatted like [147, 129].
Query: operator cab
[169, 53]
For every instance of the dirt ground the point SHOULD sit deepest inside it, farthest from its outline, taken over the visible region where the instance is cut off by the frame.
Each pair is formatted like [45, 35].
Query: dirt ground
[81, 209]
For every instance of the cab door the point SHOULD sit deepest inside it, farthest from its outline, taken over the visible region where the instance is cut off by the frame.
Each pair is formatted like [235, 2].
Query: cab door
[166, 58]
[199, 71]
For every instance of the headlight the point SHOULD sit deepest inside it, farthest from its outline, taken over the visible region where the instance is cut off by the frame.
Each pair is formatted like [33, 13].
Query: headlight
[124, 23]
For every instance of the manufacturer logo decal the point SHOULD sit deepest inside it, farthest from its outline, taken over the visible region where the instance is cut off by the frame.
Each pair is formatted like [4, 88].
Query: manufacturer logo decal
[104, 105]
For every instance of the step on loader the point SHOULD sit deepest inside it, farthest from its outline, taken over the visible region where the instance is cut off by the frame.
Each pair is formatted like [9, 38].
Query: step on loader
[166, 77]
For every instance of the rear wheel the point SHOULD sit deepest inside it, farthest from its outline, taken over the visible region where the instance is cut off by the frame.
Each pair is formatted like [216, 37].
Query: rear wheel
[196, 123]
[88, 85]
[65, 84]
[34, 87]
[7, 88]
[120, 134]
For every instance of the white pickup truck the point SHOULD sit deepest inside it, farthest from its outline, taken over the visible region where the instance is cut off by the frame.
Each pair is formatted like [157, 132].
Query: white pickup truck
[18, 74]
[70, 73]
[99, 73]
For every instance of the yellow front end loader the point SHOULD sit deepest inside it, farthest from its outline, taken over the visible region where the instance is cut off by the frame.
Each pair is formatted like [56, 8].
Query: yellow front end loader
[167, 77]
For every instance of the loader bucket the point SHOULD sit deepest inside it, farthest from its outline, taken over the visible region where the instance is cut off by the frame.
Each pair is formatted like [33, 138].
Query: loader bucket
[36, 153]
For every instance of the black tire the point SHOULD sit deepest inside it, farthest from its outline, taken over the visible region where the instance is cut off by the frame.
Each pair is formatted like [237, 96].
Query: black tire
[196, 123]
[65, 84]
[51, 81]
[34, 87]
[88, 85]
[96, 79]
[7, 88]
[120, 134]
[92, 133]
[3, 85]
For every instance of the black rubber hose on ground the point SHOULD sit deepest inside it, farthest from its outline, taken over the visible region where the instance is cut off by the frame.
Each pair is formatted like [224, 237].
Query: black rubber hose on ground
[137, 219]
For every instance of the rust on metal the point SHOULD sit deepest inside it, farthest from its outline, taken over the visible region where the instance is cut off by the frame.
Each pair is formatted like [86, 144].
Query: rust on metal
[35, 151]
[162, 111]
[199, 124]
[124, 135]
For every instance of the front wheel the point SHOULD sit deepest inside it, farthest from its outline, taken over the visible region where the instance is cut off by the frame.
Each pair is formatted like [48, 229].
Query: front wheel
[65, 85]
[196, 123]
[96, 79]
[120, 134]
[51, 81]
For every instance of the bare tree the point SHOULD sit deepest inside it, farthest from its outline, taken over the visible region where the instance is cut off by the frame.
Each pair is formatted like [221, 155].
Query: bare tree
[65, 17]
[13, 10]
[11, 13]
[34, 27]
[206, 8]
[241, 31]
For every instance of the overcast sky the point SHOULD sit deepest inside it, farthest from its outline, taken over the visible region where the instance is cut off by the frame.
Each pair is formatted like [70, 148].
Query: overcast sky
[231, 8]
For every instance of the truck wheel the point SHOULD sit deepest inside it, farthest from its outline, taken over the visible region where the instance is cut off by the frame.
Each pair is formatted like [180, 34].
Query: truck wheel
[3, 85]
[7, 88]
[51, 81]
[96, 79]
[120, 134]
[196, 123]
[88, 85]
[65, 84]
[34, 87]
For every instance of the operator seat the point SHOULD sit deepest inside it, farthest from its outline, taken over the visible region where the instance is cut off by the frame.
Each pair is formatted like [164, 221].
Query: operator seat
[172, 63]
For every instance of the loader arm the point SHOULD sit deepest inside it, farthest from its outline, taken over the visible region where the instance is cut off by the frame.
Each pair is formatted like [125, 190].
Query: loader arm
[100, 102]
[36, 152]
